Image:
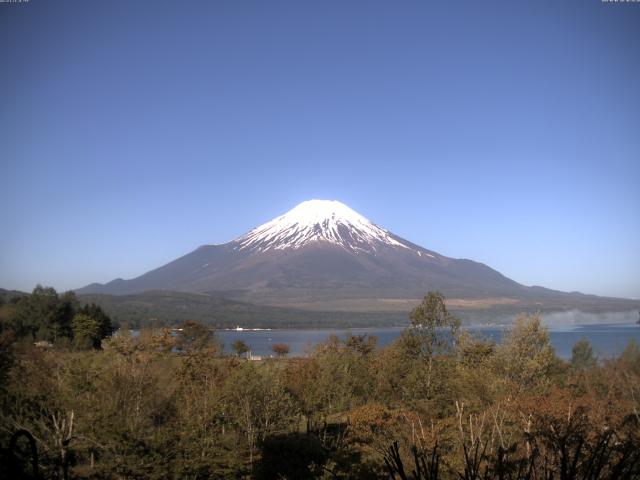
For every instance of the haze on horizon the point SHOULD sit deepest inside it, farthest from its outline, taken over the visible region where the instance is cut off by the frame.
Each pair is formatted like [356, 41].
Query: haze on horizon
[131, 133]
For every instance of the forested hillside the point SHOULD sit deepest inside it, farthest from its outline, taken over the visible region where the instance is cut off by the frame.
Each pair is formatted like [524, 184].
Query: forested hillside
[171, 308]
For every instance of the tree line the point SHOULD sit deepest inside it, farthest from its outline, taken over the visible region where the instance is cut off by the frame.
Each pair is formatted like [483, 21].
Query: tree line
[436, 403]
[48, 317]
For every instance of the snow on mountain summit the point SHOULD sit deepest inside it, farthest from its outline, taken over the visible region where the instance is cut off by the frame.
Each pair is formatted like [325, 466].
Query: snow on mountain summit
[318, 221]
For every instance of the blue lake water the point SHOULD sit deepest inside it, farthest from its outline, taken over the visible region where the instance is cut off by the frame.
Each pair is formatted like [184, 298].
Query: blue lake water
[608, 339]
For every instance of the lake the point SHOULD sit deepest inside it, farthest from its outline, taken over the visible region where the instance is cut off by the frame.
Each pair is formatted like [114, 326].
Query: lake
[607, 339]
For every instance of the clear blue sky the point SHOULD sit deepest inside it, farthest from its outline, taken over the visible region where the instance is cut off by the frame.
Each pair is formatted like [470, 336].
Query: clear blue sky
[505, 132]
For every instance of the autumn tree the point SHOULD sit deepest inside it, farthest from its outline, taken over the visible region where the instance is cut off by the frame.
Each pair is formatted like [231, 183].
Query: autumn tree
[280, 349]
[258, 402]
[301, 381]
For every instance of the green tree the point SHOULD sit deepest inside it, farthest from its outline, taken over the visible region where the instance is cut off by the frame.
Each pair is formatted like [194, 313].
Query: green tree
[104, 321]
[194, 337]
[433, 325]
[474, 378]
[86, 331]
[65, 310]
[412, 366]
[582, 357]
[202, 437]
[631, 356]
[526, 357]
[7, 356]
[363, 344]
[44, 305]
[240, 347]
[43, 315]
[34, 315]
[335, 379]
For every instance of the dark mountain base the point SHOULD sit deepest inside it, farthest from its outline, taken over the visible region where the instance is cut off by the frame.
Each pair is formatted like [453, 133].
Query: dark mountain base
[165, 308]
[173, 308]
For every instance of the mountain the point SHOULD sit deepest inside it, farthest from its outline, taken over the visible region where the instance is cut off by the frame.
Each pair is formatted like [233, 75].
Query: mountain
[8, 295]
[323, 255]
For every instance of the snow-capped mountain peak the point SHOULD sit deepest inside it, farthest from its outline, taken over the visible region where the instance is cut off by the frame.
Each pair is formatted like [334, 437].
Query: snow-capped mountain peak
[318, 221]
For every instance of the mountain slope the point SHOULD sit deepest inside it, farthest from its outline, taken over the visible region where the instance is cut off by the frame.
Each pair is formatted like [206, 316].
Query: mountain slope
[321, 254]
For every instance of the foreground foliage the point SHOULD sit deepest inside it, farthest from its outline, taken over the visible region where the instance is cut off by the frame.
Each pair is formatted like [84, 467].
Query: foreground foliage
[437, 403]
